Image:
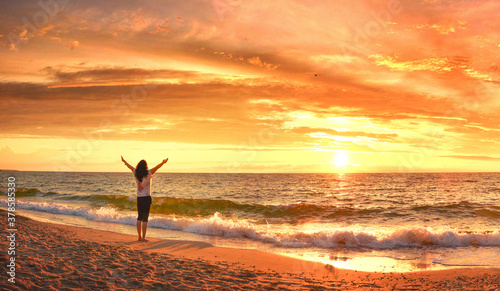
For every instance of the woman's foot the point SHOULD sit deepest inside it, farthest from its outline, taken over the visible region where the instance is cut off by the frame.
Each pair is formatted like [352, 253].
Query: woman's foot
[145, 240]
[140, 239]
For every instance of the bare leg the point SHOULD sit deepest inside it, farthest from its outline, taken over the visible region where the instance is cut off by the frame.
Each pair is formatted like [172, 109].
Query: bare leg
[144, 229]
[139, 229]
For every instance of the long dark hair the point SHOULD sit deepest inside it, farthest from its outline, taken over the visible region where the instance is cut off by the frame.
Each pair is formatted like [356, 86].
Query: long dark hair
[141, 170]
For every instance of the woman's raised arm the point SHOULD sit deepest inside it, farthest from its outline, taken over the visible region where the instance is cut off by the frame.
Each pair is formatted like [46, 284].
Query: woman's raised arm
[153, 170]
[128, 165]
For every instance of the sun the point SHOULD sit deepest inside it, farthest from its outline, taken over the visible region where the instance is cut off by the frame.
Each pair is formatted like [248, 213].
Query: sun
[341, 159]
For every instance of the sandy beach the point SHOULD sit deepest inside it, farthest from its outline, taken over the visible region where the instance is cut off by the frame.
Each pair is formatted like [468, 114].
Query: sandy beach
[60, 257]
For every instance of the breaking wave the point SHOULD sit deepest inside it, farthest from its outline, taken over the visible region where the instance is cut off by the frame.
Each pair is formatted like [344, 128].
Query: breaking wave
[217, 225]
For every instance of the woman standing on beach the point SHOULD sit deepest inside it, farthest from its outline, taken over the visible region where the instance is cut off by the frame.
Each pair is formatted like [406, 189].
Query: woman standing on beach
[143, 180]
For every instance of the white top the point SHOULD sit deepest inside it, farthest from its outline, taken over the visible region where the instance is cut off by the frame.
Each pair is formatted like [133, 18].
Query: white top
[144, 187]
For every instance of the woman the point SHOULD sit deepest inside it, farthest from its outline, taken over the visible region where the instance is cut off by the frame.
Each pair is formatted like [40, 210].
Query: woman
[143, 180]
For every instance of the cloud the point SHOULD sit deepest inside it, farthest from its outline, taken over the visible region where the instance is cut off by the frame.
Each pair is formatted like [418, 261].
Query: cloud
[221, 77]
[433, 64]
[117, 76]
[161, 28]
[7, 151]
[256, 61]
[73, 43]
[480, 158]
[333, 132]
[444, 29]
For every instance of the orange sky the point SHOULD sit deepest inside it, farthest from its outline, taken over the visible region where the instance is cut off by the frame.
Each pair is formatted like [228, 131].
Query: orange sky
[250, 86]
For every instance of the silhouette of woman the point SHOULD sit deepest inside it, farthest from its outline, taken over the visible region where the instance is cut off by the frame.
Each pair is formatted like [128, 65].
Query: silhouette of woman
[143, 178]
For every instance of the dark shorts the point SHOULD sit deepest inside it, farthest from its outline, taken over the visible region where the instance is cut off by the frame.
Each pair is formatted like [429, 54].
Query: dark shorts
[143, 206]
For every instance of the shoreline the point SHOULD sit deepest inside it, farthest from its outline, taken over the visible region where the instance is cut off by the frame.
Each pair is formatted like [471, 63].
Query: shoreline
[410, 260]
[50, 255]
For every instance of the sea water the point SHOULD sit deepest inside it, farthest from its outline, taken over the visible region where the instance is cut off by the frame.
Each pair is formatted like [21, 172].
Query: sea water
[373, 222]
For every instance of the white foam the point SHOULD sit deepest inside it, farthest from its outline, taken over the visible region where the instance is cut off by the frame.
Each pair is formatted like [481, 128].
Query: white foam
[218, 226]
[326, 238]
[416, 237]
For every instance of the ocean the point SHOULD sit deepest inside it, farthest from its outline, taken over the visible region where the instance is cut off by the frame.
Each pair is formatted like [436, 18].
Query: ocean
[373, 222]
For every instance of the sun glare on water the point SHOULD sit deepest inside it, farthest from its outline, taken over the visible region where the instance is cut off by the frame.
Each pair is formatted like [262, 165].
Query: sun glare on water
[341, 159]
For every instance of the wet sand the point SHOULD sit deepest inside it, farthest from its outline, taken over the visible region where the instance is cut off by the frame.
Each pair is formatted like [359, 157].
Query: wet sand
[60, 257]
